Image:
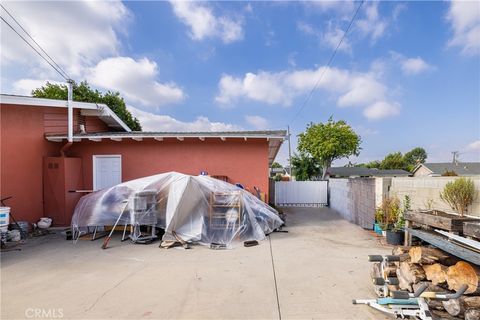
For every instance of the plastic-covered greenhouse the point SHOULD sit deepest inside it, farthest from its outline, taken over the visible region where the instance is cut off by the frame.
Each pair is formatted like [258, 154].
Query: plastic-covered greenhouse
[197, 209]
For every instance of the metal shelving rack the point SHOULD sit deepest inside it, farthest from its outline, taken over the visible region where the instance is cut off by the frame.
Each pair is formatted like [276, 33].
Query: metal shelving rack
[222, 206]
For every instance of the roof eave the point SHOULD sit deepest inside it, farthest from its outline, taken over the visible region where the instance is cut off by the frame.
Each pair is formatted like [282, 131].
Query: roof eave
[100, 109]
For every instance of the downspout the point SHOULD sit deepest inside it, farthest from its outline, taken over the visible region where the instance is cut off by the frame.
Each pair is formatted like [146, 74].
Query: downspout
[70, 118]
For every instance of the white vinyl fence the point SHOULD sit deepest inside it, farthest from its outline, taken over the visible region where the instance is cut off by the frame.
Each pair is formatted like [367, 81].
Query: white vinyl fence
[301, 193]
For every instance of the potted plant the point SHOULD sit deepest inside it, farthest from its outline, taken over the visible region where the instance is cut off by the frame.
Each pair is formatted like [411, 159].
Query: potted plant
[392, 220]
[396, 235]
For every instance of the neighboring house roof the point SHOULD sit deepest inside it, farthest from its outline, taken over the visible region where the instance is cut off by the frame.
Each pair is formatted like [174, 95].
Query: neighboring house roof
[277, 170]
[100, 110]
[275, 138]
[460, 168]
[365, 172]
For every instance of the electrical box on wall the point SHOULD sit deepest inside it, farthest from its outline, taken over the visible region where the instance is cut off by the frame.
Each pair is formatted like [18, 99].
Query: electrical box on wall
[60, 176]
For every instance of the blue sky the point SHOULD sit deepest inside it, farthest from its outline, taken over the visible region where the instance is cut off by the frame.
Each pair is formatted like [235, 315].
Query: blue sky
[407, 75]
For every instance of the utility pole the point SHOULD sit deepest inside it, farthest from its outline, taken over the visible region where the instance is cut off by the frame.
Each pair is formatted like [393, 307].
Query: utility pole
[70, 109]
[289, 153]
[455, 157]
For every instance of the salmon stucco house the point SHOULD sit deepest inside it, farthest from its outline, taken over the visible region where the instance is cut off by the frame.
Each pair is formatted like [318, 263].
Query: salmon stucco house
[46, 174]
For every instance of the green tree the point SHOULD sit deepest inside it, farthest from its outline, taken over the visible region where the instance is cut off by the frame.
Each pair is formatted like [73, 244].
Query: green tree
[414, 157]
[304, 167]
[393, 161]
[83, 93]
[374, 164]
[326, 142]
[276, 165]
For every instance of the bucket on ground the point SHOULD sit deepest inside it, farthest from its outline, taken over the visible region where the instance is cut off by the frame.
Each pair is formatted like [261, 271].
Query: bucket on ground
[4, 218]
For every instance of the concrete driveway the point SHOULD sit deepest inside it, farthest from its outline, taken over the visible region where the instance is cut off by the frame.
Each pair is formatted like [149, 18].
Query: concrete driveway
[316, 269]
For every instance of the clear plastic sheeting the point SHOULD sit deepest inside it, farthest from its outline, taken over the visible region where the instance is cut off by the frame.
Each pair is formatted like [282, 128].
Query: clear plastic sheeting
[197, 209]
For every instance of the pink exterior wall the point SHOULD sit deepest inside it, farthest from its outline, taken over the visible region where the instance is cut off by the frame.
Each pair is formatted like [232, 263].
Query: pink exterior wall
[241, 161]
[23, 147]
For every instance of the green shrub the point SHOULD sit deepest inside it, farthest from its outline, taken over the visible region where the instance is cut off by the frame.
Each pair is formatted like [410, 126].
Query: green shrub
[387, 215]
[400, 223]
[459, 194]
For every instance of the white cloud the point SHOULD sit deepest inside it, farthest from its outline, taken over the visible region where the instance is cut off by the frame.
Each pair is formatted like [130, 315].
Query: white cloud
[351, 89]
[25, 86]
[199, 17]
[156, 122]
[364, 131]
[411, 66]
[329, 38]
[332, 38]
[372, 25]
[257, 122]
[415, 66]
[264, 86]
[75, 34]
[342, 7]
[381, 110]
[136, 80]
[464, 17]
[474, 146]
[307, 28]
[363, 90]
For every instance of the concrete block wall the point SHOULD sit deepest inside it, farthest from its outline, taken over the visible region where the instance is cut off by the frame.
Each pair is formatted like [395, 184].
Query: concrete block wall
[354, 200]
[425, 191]
[363, 204]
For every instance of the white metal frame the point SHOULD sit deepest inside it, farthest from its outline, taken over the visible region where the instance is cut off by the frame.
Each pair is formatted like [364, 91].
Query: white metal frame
[94, 167]
[301, 193]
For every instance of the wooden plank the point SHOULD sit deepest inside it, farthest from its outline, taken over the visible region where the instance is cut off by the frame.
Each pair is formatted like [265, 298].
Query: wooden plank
[471, 229]
[468, 242]
[438, 219]
[446, 245]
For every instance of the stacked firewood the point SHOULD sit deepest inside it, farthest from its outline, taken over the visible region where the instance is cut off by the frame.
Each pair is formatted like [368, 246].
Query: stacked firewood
[444, 273]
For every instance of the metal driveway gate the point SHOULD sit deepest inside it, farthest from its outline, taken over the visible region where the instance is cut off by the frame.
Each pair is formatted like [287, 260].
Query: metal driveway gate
[301, 193]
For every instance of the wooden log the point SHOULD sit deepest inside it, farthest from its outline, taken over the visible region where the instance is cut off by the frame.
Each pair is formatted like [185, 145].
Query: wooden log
[454, 307]
[457, 307]
[443, 315]
[397, 250]
[427, 255]
[472, 314]
[431, 287]
[447, 245]
[464, 273]
[409, 274]
[437, 273]
[434, 304]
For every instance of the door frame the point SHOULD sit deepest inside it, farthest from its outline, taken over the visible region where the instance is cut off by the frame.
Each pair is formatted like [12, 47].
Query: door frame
[94, 158]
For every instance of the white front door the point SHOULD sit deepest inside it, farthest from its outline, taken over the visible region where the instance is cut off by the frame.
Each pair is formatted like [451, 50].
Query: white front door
[107, 171]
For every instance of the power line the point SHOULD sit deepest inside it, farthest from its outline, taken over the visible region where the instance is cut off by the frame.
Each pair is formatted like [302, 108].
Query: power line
[309, 96]
[28, 34]
[55, 68]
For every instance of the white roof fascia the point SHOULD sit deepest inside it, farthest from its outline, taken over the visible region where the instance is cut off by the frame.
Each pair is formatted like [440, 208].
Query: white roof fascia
[42, 102]
[112, 114]
[101, 108]
[166, 136]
